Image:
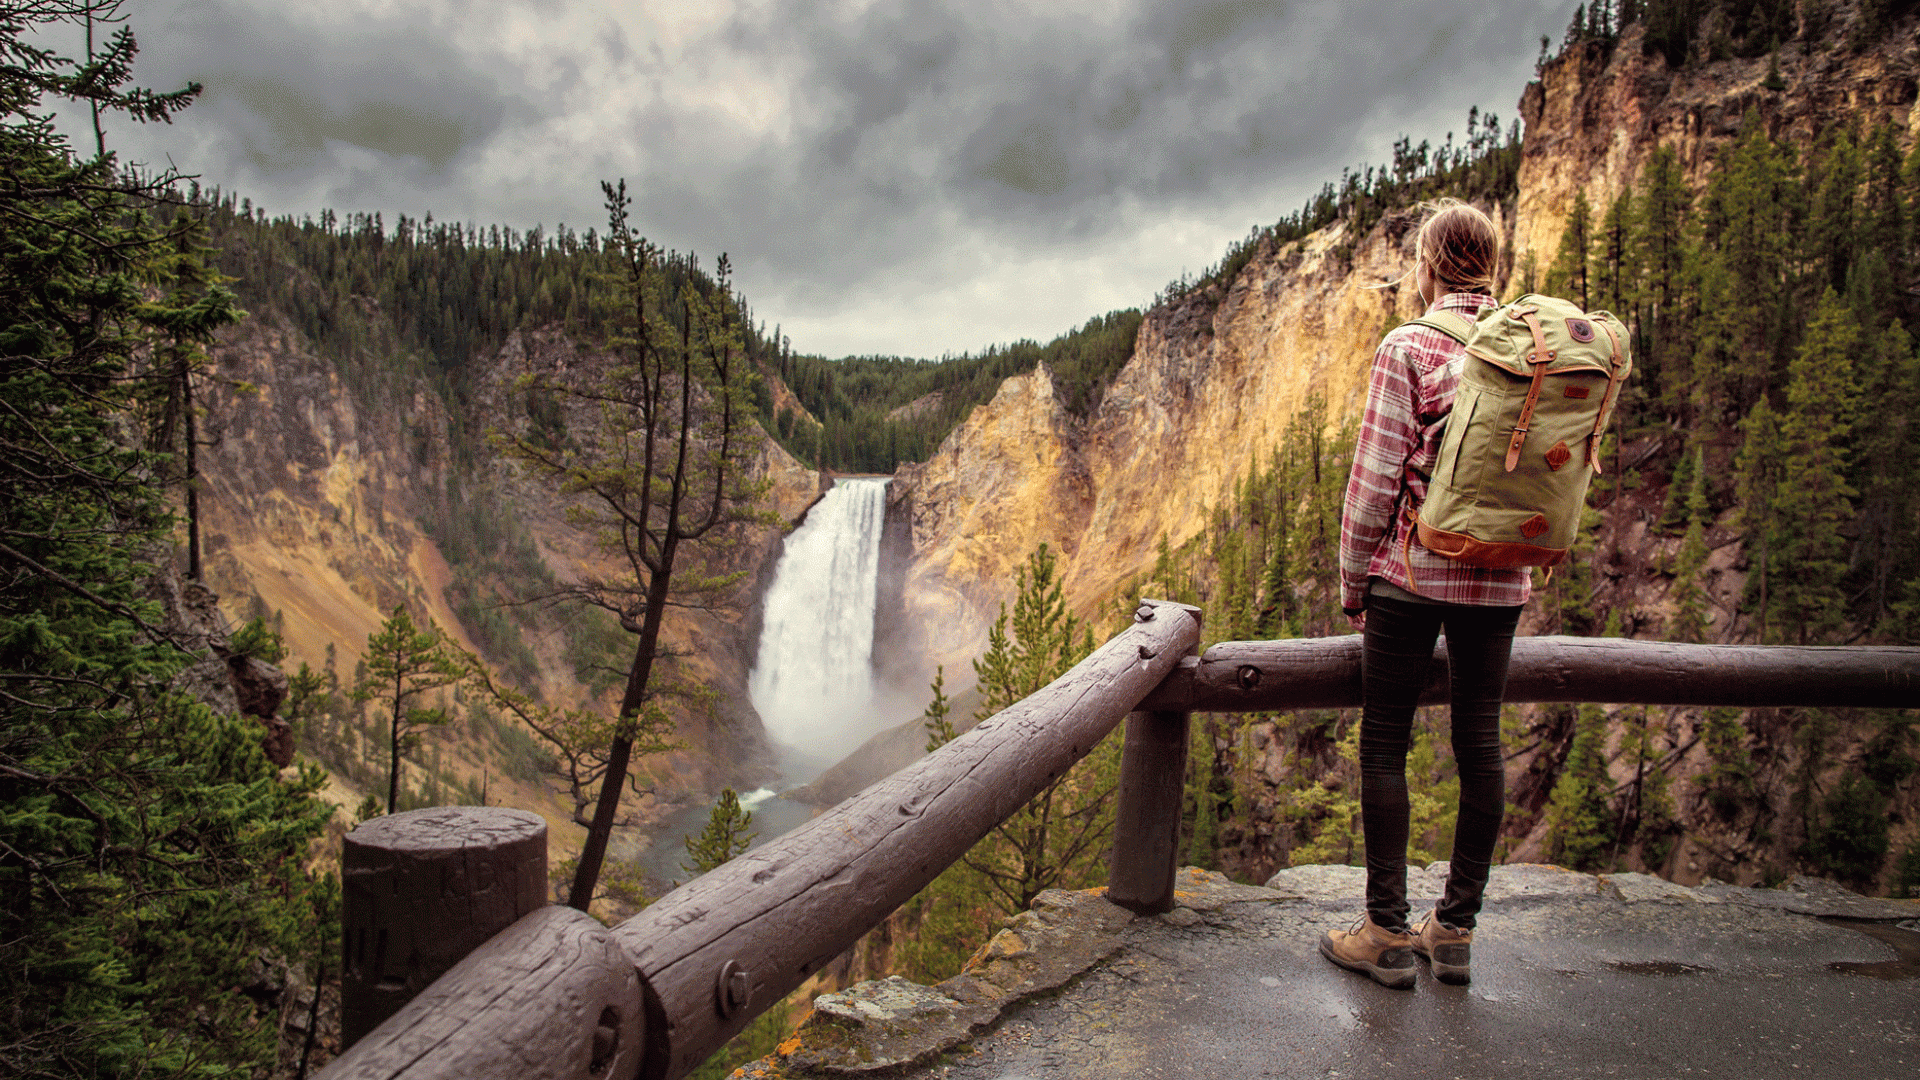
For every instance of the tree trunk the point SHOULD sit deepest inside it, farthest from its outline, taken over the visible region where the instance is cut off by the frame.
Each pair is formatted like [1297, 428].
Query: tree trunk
[193, 475]
[393, 748]
[594, 852]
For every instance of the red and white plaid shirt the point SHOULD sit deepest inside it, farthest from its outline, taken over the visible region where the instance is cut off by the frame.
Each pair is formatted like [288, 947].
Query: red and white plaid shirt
[1415, 373]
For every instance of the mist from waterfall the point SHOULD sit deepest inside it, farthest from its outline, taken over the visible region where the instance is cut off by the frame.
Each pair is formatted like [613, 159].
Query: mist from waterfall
[812, 682]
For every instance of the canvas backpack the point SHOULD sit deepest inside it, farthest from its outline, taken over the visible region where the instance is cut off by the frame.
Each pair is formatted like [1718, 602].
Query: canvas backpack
[1537, 387]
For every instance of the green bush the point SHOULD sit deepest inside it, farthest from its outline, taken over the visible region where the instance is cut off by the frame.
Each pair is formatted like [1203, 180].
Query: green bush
[1850, 841]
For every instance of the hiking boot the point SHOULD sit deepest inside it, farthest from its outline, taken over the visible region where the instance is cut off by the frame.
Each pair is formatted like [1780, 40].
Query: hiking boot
[1447, 947]
[1384, 955]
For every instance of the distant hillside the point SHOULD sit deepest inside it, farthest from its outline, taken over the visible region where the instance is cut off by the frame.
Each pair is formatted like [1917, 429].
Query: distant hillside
[876, 412]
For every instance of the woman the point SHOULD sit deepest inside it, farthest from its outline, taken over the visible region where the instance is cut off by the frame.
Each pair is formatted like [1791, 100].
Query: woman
[1400, 596]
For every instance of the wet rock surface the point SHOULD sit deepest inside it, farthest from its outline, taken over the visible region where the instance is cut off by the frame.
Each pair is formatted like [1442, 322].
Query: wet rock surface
[1619, 975]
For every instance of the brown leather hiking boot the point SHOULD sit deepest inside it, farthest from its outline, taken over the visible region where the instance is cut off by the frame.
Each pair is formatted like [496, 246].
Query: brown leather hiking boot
[1384, 955]
[1448, 948]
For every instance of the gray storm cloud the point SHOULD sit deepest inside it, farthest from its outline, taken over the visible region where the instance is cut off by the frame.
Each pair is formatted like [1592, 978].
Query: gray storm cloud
[909, 147]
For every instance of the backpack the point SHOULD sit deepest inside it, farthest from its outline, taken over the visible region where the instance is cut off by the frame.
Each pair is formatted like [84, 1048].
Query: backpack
[1537, 387]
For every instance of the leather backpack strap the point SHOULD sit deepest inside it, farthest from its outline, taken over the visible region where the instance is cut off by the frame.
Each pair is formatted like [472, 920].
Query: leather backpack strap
[1606, 404]
[1409, 522]
[1540, 357]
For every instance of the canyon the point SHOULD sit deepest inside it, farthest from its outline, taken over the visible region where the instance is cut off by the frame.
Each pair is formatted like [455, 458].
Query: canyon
[320, 500]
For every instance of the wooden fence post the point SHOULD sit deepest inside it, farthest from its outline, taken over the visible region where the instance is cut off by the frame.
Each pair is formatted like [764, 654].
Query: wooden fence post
[1146, 825]
[423, 889]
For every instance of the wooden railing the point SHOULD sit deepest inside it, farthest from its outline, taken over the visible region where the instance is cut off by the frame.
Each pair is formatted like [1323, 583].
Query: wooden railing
[555, 994]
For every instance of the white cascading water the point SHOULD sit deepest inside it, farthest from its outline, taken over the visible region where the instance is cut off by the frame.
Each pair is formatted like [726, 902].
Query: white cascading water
[813, 681]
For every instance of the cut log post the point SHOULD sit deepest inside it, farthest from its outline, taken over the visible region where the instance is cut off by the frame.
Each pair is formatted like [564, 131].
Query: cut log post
[423, 889]
[720, 949]
[1324, 673]
[1146, 824]
[553, 997]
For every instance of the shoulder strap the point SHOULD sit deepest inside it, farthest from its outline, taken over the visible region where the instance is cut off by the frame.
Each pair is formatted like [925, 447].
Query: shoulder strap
[1455, 330]
[1606, 403]
[1539, 358]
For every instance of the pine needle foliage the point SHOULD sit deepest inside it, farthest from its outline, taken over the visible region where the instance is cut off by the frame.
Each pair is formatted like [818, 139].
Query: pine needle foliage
[404, 663]
[150, 854]
[727, 834]
[1059, 838]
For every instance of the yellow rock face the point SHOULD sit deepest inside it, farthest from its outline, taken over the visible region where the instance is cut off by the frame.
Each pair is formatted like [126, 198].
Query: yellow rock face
[1209, 388]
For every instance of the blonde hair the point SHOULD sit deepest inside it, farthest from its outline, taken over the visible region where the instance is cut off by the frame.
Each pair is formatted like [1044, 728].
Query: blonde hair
[1458, 243]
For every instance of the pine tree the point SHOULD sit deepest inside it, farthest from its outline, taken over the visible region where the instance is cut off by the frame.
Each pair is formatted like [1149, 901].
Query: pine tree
[1749, 221]
[663, 474]
[1059, 836]
[935, 719]
[1577, 29]
[1646, 811]
[1728, 782]
[1673, 514]
[1202, 803]
[1580, 822]
[1568, 276]
[725, 836]
[1691, 620]
[1276, 591]
[1888, 435]
[403, 663]
[151, 851]
[1671, 26]
[1886, 229]
[1613, 260]
[1328, 810]
[1849, 839]
[1759, 467]
[1814, 500]
[1835, 225]
[1661, 226]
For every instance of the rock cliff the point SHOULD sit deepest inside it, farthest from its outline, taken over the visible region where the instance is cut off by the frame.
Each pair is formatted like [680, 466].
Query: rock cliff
[1213, 380]
[322, 503]
[1597, 115]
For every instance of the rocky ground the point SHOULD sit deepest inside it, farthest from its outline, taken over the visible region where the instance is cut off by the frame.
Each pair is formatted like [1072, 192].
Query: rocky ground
[1575, 975]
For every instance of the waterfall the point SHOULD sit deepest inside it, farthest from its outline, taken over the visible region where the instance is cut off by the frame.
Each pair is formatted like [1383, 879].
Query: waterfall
[812, 682]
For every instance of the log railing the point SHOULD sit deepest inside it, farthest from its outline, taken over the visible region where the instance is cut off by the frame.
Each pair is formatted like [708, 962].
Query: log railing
[557, 995]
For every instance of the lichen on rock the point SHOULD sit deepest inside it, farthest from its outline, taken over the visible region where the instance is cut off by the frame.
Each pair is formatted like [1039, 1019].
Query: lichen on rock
[888, 1023]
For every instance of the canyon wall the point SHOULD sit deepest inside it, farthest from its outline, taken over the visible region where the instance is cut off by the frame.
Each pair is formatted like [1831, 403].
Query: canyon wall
[321, 504]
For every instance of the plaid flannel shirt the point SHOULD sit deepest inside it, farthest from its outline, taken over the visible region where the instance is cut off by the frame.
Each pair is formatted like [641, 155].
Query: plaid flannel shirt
[1415, 373]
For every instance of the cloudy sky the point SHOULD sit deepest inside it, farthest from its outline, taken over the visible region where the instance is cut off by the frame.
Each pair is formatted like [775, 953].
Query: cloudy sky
[909, 177]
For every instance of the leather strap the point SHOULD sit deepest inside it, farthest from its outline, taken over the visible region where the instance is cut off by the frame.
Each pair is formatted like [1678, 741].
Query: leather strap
[1409, 523]
[1606, 404]
[1540, 357]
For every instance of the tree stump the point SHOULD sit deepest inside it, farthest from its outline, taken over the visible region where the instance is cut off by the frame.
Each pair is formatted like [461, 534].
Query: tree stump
[423, 889]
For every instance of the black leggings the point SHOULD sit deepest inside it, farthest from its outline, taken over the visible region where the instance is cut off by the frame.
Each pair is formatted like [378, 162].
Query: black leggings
[1399, 647]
